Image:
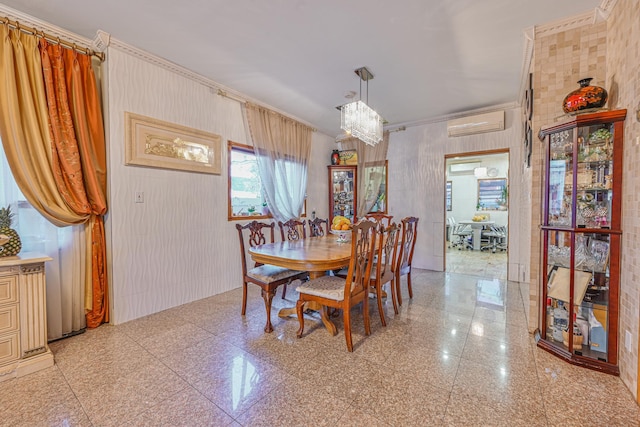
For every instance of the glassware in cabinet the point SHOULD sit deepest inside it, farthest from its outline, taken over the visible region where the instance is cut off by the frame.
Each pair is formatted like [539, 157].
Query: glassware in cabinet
[581, 236]
[343, 192]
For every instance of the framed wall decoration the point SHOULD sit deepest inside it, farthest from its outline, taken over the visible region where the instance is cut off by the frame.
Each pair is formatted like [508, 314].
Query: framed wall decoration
[155, 143]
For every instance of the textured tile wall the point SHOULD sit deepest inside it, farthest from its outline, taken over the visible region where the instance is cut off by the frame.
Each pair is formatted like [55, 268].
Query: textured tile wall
[623, 83]
[559, 61]
[610, 53]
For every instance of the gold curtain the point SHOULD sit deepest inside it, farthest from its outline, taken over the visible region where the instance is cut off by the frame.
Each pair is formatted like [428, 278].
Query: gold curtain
[24, 126]
[79, 159]
[53, 137]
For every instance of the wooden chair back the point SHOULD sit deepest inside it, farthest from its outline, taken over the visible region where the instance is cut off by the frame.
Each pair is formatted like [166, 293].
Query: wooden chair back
[363, 240]
[379, 218]
[405, 254]
[386, 253]
[258, 233]
[316, 229]
[292, 230]
[407, 243]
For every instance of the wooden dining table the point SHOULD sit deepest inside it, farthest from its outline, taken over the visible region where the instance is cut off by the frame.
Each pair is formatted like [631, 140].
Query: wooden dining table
[316, 255]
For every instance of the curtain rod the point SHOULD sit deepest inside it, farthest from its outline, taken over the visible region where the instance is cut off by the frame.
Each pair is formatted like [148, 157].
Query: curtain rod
[34, 31]
[224, 94]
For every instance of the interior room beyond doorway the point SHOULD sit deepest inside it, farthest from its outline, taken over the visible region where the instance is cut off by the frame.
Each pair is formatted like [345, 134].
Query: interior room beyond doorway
[477, 214]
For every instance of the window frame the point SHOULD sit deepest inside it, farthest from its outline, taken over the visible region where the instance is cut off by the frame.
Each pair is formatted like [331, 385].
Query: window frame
[231, 145]
[494, 194]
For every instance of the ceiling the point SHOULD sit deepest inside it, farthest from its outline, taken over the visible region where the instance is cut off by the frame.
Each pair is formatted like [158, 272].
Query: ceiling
[429, 58]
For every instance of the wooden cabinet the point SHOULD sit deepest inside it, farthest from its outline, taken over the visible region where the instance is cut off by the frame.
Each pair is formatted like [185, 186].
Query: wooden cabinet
[581, 234]
[23, 314]
[343, 192]
[343, 189]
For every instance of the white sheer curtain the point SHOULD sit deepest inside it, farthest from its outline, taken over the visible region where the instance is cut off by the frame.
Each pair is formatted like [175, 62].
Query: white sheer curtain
[282, 147]
[371, 164]
[65, 293]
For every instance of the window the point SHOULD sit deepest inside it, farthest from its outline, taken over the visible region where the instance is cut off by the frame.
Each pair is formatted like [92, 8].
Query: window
[449, 193]
[246, 199]
[245, 188]
[492, 194]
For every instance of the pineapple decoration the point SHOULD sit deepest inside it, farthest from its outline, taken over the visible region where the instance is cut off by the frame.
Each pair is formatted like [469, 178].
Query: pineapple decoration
[10, 244]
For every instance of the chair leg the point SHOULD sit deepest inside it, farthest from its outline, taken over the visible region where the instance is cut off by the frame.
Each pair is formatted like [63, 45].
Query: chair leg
[347, 328]
[367, 321]
[409, 285]
[244, 298]
[394, 298]
[379, 298]
[398, 290]
[299, 307]
[268, 297]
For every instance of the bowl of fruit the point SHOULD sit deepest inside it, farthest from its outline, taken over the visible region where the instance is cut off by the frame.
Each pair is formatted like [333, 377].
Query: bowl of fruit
[341, 227]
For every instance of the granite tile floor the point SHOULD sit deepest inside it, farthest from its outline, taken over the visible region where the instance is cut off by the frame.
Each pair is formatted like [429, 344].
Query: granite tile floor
[477, 263]
[457, 354]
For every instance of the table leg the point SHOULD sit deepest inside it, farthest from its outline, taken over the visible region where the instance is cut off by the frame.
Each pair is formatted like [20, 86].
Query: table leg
[477, 235]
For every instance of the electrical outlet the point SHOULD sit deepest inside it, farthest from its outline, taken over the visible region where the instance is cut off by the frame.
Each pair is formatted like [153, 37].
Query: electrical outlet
[139, 197]
[627, 340]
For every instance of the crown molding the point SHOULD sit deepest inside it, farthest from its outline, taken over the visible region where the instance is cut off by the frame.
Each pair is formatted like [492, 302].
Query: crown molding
[527, 57]
[214, 87]
[576, 21]
[50, 29]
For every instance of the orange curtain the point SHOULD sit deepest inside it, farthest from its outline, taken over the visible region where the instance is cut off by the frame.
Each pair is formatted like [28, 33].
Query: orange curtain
[78, 155]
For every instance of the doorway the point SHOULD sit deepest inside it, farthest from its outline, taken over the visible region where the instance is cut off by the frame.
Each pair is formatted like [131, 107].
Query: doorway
[477, 213]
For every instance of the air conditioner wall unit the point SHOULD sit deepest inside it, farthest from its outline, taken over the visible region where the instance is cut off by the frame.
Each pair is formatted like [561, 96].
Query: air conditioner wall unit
[463, 167]
[480, 123]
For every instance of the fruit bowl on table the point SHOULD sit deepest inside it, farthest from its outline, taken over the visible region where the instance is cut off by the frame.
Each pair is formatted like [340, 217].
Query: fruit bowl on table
[343, 235]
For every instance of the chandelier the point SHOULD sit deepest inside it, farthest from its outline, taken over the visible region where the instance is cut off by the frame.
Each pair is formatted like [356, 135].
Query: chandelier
[360, 120]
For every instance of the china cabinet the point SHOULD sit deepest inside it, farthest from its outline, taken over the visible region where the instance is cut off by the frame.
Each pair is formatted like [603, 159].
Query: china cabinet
[23, 314]
[343, 192]
[581, 234]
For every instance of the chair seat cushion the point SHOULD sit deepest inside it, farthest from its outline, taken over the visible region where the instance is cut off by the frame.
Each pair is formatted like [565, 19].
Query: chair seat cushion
[329, 287]
[270, 273]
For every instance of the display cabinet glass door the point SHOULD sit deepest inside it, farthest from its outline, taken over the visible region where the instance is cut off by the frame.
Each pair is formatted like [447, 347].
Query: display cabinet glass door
[578, 302]
[342, 194]
[581, 239]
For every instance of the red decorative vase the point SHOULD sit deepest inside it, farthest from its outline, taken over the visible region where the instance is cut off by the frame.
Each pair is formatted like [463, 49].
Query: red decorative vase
[335, 157]
[585, 97]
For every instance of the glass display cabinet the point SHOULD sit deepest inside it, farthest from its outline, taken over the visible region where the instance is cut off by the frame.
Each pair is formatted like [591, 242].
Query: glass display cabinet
[343, 192]
[581, 233]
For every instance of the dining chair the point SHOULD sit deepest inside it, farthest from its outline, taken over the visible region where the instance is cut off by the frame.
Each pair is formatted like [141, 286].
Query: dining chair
[379, 218]
[344, 293]
[382, 272]
[291, 231]
[268, 277]
[404, 258]
[315, 227]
